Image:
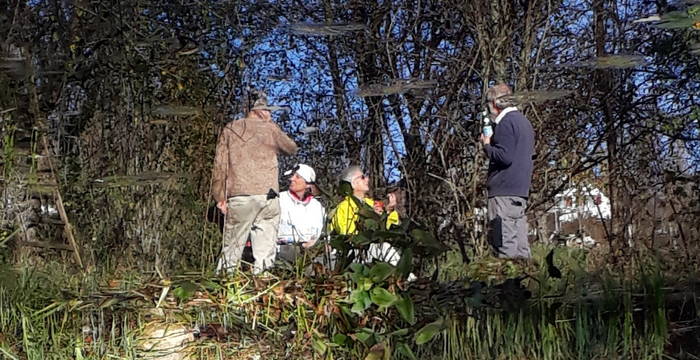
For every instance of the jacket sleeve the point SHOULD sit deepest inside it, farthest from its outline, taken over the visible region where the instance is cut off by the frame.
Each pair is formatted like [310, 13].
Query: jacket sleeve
[320, 222]
[285, 145]
[343, 222]
[501, 152]
[218, 186]
[392, 219]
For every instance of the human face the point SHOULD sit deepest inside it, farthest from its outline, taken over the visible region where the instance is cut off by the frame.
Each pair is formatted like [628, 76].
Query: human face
[297, 184]
[493, 109]
[263, 114]
[360, 182]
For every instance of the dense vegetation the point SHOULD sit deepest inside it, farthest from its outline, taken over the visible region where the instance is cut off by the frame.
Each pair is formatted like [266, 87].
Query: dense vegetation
[110, 113]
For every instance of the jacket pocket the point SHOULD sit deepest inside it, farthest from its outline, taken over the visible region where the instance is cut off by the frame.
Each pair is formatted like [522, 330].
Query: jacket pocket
[495, 235]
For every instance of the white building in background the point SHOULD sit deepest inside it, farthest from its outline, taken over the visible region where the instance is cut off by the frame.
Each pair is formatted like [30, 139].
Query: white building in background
[576, 216]
[581, 202]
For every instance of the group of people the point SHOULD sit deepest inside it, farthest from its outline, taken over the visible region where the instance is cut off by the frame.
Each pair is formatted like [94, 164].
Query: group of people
[245, 188]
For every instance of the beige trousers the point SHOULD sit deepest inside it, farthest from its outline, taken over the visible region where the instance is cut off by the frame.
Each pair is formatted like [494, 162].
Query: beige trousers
[253, 216]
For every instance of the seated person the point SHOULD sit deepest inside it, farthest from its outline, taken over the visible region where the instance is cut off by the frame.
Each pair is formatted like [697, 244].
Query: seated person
[344, 221]
[301, 216]
[395, 203]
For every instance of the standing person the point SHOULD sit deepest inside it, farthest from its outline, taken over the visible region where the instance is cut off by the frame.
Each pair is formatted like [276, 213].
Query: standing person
[245, 185]
[302, 216]
[510, 152]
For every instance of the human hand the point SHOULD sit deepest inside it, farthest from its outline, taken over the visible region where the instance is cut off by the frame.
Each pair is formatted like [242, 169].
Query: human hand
[486, 140]
[309, 243]
[379, 207]
[222, 206]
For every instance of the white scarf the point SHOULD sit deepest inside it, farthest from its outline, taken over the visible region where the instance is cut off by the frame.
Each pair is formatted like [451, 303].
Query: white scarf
[503, 113]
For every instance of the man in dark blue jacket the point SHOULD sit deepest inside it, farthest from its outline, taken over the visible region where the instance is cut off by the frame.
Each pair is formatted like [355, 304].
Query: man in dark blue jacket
[510, 151]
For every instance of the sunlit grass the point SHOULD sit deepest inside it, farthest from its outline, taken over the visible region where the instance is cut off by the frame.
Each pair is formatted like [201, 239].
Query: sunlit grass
[55, 312]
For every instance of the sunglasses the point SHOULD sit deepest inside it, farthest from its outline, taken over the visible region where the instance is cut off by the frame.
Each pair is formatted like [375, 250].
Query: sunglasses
[363, 177]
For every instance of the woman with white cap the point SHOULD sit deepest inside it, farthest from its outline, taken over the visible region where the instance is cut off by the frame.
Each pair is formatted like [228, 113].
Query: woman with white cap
[302, 217]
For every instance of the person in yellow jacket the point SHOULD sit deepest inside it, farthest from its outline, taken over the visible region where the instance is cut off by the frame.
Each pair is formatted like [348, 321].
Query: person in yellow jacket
[346, 215]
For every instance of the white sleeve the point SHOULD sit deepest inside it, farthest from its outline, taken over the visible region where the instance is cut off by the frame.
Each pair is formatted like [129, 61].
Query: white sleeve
[320, 221]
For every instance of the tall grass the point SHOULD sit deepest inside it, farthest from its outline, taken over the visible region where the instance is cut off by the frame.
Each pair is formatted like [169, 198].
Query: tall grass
[55, 313]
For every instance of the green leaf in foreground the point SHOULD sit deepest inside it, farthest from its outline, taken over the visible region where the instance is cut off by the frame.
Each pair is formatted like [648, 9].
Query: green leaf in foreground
[381, 271]
[361, 302]
[382, 297]
[340, 339]
[405, 264]
[406, 351]
[428, 331]
[185, 291]
[406, 309]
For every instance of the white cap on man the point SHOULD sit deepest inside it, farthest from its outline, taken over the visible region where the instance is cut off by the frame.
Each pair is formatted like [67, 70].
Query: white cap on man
[304, 171]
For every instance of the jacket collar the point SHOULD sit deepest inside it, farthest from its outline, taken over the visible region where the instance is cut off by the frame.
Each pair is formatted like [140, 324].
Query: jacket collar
[296, 198]
[503, 114]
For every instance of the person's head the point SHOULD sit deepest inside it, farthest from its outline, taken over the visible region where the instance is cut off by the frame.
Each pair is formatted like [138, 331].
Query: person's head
[396, 198]
[498, 98]
[301, 178]
[261, 114]
[261, 109]
[357, 179]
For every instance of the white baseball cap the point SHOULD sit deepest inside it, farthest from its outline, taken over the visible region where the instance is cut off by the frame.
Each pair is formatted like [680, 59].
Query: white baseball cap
[304, 171]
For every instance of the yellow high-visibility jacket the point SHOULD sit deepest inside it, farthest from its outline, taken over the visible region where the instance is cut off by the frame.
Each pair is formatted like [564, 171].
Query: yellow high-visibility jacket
[344, 220]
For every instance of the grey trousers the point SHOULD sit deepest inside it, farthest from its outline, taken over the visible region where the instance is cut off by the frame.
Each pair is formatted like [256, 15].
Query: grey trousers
[508, 226]
[258, 217]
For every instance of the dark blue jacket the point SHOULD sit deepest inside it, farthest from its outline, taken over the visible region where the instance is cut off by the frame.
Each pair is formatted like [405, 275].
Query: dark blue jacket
[510, 156]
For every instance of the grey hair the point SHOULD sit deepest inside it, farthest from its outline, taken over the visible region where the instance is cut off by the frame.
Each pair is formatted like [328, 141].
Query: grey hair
[348, 173]
[501, 95]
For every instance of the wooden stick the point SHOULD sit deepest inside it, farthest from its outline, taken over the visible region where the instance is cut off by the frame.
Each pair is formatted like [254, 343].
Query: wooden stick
[43, 128]
[46, 245]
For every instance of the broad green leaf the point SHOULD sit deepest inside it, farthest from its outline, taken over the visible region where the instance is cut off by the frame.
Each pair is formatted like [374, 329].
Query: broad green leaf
[424, 238]
[345, 189]
[362, 302]
[382, 297]
[185, 291]
[357, 268]
[406, 351]
[355, 296]
[405, 264]
[358, 272]
[399, 332]
[109, 303]
[388, 234]
[210, 285]
[365, 283]
[371, 224]
[367, 212]
[428, 242]
[360, 240]
[428, 331]
[365, 336]
[339, 242]
[340, 339]
[319, 346]
[406, 309]
[381, 271]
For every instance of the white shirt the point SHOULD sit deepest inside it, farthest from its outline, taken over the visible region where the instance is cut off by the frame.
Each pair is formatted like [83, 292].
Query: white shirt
[300, 221]
[503, 113]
